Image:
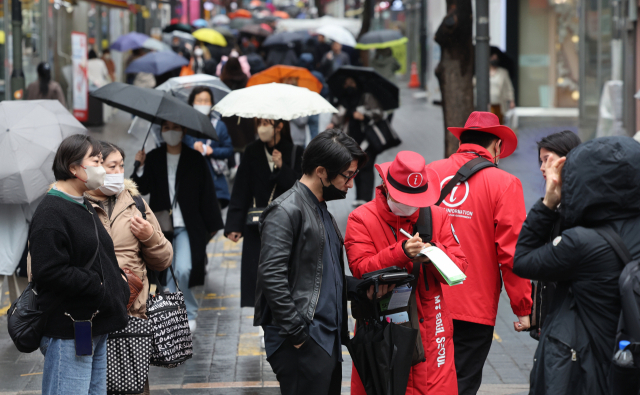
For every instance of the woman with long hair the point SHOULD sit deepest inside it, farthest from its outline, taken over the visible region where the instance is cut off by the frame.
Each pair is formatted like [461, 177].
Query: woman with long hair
[44, 87]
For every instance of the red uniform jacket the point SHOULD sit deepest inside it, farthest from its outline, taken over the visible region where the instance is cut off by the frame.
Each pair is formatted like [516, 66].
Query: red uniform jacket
[371, 245]
[487, 212]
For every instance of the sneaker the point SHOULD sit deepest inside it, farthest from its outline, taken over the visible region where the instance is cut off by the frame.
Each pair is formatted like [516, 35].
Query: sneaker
[192, 325]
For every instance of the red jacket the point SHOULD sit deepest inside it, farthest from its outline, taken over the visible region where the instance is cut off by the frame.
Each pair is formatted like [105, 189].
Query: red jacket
[371, 245]
[487, 213]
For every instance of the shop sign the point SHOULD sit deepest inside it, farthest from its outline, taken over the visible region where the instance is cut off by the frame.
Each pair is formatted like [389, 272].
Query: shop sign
[79, 69]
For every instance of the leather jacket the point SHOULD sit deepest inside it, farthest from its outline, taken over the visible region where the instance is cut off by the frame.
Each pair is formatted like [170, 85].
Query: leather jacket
[290, 268]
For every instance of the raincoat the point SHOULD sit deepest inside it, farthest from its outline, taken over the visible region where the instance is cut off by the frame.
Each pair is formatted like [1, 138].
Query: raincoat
[487, 212]
[371, 245]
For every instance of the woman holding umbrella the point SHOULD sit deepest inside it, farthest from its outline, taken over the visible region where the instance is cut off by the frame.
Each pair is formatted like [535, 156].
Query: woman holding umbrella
[269, 167]
[178, 181]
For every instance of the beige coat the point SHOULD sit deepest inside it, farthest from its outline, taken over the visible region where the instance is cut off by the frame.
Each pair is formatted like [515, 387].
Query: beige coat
[155, 253]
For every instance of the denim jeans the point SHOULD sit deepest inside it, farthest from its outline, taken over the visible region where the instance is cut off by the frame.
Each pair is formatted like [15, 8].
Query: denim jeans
[66, 373]
[182, 267]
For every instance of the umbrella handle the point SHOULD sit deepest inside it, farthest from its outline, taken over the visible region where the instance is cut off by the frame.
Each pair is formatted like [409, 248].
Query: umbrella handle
[136, 164]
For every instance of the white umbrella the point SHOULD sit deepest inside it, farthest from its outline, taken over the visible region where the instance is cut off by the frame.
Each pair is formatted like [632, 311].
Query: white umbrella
[220, 19]
[273, 101]
[32, 130]
[338, 34]
[156, 45]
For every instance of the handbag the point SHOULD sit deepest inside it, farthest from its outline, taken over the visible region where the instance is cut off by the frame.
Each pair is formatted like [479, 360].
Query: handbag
[171, 336]
[381, 136]
[165, 217]
[25, 321]
[128, 353]
[254, 213]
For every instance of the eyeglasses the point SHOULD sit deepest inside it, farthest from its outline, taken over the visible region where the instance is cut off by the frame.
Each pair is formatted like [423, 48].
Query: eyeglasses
[351, 177]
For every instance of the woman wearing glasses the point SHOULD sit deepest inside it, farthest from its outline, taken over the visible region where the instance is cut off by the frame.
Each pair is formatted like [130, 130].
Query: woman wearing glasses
[269, 167]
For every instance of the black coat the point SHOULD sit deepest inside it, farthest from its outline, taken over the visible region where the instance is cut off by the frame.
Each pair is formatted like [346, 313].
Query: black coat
[255, 180]
[196, 197]
[601, 185]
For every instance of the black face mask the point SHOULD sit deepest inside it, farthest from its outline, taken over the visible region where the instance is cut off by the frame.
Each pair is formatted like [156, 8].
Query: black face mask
[331, 192]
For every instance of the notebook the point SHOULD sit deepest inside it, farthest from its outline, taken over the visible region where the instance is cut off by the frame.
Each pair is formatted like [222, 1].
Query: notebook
[449, 271]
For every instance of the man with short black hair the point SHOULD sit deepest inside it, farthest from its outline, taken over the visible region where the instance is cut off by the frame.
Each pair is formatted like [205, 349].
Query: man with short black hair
[487, 212]
[301, 296]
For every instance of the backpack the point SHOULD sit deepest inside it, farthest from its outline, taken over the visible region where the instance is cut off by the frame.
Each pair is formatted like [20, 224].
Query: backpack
[140, 206]
[629, 283]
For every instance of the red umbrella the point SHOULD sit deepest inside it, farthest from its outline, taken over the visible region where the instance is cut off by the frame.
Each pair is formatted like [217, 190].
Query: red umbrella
[240, 14]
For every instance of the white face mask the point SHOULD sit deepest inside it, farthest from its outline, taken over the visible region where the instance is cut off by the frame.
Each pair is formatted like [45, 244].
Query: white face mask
[95, 177]
[205, 109]
[265, 133]
[113, 184]
[172, 137]
[198, 51]
[399, 209]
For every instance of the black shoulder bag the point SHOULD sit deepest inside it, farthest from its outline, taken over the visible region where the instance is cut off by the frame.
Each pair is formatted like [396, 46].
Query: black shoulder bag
[25, 322]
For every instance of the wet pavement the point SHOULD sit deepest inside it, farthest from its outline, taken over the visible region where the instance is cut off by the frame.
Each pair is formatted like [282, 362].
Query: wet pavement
[227, 357]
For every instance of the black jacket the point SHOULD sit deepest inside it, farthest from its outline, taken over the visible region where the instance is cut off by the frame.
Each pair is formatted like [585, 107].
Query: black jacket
[62, 240]
[601, 185]
[196, 197]
[255, 180]
[290, 269]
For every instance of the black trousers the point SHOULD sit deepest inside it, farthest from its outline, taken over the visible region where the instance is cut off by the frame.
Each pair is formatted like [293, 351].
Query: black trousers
[365, 180]
[471, 342]
[307, 370]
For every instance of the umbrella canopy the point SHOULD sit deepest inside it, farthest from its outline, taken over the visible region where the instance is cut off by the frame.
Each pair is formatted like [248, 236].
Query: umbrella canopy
[31, 133]
[177, 26]
[239, 23]
[240, 14]
[281, 14]
[178, 38]
[368, 80]
[256, 30]
[155, 106]
[200, 23]
[129, 41]
[156, 45]
[381, 39]
[157, 63]
[381, 353]
[181, 87]
[285, 38]
[273, 101]
[297, 76]
[210, 36]
[338, 34]
[220, 19]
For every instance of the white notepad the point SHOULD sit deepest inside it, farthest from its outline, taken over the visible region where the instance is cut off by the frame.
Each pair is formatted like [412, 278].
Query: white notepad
[449, 271]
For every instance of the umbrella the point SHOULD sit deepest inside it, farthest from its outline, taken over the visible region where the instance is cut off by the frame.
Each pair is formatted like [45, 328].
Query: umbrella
[200, 23]
[31, 133]
[210, 36]
[287, 74]
[156, 45]
[381, 39]
[180, 36]
[368, 80]
[285, 38]
[239, 23]
[181, 87]
[381, 353]
[220, 19]
[177, 26]
[129, 41]
[240, 14]
[256, 30]
[338, 34]
[156, 63]
[273, 101]
[155, 106]
[281, 14]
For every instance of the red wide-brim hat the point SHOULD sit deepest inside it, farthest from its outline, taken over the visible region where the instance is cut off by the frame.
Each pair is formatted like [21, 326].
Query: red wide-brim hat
[409, 181]
[487, 122]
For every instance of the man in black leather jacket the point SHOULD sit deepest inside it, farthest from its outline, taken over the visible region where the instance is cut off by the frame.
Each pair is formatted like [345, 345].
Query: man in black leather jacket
[301, 293]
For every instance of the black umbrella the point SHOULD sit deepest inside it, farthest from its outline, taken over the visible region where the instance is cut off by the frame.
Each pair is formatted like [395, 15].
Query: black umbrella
[286, 38]
[177, 26]
[155, 106]
[380, 36]
[381, 353]
[368, 80]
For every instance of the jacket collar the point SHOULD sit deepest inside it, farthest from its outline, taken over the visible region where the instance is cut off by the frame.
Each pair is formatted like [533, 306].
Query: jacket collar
[483, 152]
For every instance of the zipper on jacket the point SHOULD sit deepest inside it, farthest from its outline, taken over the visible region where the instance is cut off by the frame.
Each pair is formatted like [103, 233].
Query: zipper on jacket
[574, 353]
[315, 305]
[574, 356]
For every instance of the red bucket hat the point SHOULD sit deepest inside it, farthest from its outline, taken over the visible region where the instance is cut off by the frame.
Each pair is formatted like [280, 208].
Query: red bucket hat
[409, 181]
[488, 122]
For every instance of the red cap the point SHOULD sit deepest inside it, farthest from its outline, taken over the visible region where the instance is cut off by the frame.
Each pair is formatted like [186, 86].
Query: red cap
[483, 121]
[409, 181]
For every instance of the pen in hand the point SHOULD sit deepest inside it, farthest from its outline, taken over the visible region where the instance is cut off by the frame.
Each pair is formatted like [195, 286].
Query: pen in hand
[404, 232]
